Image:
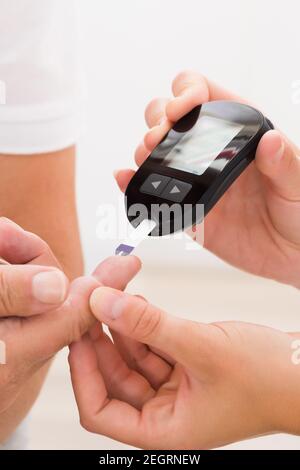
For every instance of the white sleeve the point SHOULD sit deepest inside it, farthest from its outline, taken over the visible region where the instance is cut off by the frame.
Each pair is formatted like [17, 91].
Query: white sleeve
[41, 88]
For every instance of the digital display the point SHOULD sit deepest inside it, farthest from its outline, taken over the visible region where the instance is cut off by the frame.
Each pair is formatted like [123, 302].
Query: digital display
[200, 146]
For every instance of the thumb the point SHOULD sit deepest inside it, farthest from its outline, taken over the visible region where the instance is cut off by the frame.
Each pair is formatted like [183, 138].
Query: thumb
[29, 290]
[279, 160]
[134, 317]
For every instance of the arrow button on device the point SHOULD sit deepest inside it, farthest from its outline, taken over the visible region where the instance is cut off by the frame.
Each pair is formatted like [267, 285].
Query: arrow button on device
[176, 190]
[155, 184]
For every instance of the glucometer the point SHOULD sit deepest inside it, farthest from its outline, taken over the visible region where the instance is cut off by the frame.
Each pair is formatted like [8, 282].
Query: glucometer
[193, 166]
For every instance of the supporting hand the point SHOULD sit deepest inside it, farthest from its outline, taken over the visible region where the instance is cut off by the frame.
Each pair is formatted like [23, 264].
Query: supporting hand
[166, 383]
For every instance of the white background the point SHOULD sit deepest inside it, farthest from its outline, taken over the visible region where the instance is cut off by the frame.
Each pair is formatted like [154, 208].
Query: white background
[131, 51]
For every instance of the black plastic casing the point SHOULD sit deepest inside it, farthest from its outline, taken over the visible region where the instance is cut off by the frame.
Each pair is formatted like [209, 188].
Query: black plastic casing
[207, 188]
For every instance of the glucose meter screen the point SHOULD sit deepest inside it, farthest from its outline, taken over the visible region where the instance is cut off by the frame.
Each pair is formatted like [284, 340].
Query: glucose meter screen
[200, 146]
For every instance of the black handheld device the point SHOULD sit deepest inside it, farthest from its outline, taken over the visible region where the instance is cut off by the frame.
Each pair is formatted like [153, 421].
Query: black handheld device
[195, 163]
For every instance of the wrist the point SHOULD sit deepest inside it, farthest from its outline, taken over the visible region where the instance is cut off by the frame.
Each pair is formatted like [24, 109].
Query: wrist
[12, 417]
[288, 270]
[284, 406]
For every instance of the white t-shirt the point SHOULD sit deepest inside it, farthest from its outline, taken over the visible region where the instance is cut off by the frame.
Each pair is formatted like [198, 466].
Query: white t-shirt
[41, 90]
[40, 79]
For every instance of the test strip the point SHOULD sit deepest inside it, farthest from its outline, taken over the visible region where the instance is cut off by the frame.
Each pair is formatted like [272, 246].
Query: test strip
[136, 236]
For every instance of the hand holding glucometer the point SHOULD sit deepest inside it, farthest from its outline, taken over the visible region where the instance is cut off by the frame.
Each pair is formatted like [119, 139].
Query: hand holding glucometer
[208, 146]
[195, 163]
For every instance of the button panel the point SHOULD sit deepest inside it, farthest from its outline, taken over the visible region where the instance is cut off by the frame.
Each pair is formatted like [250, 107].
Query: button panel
[176, 190]
[155, 184]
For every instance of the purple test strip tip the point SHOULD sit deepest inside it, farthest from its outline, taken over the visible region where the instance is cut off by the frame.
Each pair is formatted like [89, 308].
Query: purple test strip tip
[124, 250]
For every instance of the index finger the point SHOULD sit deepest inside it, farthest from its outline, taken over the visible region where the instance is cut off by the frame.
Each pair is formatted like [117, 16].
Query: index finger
[98, 413]
[18, 246]
[191, 89]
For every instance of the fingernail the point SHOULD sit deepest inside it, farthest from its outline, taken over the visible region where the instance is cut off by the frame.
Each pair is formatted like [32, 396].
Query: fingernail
[107, 303]
[115, 173]
[279, 153]
[49, 287]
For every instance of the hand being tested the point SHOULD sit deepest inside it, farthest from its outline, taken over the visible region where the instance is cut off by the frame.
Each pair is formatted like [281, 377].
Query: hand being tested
[40, 312]
[259, 216]
[204, 386]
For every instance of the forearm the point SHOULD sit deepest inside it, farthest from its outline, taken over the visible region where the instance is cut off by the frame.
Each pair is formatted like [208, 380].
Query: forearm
[38, 192]
[12, 417]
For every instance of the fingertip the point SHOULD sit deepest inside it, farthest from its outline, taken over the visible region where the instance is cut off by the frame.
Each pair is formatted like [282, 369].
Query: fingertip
[155, 111]
[123, 178]
[269, 152]
[141, 154]
[98, 300]
[152, 138]
[137, 262]
[113, 262]
[131, 263]
[175, 109]
[271, 141]
[117, 271]
[18, 246]
[188, 79]
[156, 135]
[190, 89]
[184, 103]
